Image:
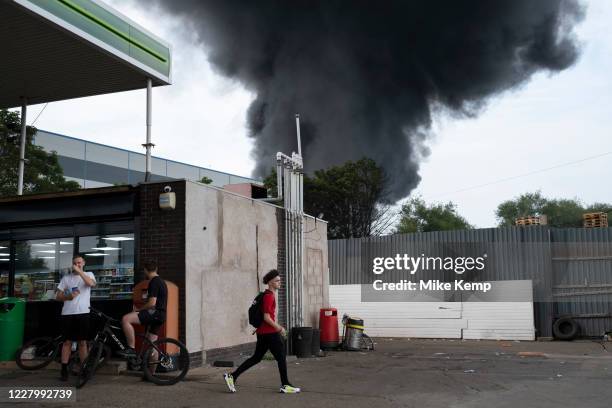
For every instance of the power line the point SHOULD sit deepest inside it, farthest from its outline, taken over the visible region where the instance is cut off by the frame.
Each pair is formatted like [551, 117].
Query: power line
[39, 113]
[523, 175]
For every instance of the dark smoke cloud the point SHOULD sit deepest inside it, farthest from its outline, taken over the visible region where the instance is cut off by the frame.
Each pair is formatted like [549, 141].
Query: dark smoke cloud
[366, 76]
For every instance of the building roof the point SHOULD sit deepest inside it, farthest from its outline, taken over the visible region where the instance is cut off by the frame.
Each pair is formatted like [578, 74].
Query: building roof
[63, 49]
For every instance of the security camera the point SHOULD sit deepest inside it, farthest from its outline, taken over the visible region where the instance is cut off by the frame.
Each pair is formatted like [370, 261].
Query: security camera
[167, 189]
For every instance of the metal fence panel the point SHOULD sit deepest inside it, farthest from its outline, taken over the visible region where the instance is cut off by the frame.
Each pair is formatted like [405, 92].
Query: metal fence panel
[571, 268]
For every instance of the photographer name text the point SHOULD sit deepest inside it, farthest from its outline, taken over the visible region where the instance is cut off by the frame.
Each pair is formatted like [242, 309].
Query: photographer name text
[431, 285]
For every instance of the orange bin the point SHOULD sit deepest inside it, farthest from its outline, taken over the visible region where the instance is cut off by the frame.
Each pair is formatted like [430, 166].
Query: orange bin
[171, 326]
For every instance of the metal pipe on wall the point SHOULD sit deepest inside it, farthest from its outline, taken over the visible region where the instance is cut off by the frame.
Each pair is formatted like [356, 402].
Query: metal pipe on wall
[22, 147]
[302, 257]
[148, 145]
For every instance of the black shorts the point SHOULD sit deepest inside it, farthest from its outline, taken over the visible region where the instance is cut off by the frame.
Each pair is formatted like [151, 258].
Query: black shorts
[75, 327]
[153, 320]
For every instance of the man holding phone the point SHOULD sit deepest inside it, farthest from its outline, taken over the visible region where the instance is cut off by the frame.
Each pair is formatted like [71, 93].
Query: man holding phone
[75, 291]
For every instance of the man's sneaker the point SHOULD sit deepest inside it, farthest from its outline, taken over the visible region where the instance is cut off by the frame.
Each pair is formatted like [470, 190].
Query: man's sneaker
[127, 353]
[289, 389]
[229, 381]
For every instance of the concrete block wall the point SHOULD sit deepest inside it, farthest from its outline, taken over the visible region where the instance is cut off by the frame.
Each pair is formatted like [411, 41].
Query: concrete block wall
[316, 276]
[280, 259]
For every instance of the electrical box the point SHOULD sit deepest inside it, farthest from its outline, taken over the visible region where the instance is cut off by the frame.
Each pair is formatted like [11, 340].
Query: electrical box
[167, 201]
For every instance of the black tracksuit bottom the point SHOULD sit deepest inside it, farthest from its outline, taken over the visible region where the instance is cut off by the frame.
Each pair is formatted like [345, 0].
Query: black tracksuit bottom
[273, 342]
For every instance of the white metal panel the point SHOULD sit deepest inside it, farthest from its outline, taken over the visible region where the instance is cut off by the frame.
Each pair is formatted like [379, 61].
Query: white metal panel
[415, 332]
[469, 320]
[498, 334]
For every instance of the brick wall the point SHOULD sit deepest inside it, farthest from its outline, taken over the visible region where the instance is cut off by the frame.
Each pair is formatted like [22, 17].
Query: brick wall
[161, 237]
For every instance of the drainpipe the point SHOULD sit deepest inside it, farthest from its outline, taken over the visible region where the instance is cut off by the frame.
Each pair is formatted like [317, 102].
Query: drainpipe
[148, 145]
[22, 146]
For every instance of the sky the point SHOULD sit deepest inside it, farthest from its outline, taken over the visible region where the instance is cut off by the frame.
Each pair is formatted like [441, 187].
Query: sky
[552, 122]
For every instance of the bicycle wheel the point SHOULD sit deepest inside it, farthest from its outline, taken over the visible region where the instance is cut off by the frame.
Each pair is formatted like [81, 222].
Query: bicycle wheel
[166, 362]
[88, 368]
[37, 353]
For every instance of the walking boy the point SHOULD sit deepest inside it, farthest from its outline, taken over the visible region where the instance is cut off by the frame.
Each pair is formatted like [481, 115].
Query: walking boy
[75, 290]
[270, 336]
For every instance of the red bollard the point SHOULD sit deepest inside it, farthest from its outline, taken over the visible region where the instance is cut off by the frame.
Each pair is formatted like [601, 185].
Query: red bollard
[328, 324]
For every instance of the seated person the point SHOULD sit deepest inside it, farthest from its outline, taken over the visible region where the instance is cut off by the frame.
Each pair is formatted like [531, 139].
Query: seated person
[152, 313]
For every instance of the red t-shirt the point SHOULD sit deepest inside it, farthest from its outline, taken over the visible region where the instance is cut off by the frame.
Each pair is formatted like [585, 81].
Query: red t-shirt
[268, 306]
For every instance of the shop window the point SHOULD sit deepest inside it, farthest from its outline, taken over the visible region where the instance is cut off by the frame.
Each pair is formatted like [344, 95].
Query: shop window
[111, 259]
[39, 266]
[4, 268]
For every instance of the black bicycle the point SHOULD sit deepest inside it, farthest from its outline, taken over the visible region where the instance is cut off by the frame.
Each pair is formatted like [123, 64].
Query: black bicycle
[41, 351]
[164, 361]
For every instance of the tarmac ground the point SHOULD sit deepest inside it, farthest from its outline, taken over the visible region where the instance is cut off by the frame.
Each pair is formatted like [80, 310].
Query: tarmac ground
[399, 373]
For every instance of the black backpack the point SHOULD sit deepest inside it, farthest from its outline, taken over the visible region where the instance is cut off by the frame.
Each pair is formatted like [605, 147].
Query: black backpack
[255, 311]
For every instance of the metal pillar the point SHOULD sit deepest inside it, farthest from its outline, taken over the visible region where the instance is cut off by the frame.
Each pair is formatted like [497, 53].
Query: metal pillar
[148, 145]
[299, 138]
[22, 146]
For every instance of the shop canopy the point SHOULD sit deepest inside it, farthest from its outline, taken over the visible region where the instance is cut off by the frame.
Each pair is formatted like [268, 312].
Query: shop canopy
[61, 49]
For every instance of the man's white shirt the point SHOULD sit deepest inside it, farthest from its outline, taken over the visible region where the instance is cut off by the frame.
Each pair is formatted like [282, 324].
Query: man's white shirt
[80, 304]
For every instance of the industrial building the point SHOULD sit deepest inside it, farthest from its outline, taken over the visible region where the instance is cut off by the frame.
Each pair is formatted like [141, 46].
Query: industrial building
[98, 165]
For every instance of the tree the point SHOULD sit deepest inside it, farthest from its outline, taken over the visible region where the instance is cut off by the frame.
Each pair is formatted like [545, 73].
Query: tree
[42, 174]
[351, 198]
[206, 180]
[559, 212]
[418, 216]
[527, 204]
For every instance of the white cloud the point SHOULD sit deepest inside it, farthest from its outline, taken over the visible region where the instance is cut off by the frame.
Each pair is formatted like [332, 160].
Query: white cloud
[199, 119]
[552, 120]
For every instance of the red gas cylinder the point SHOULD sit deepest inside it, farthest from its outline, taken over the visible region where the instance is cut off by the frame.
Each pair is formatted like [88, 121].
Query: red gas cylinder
[328, 324]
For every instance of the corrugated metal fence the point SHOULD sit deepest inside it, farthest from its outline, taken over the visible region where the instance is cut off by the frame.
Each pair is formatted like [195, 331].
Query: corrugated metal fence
[571, 268]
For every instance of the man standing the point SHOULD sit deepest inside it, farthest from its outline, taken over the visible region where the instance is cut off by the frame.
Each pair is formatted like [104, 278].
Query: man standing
[152, 313]
[74, 290]
[270, 336]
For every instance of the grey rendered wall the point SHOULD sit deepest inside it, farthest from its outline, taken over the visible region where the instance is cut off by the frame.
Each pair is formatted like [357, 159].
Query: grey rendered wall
[231, 241]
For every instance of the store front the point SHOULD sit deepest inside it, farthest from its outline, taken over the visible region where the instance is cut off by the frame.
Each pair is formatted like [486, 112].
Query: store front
[39, 238]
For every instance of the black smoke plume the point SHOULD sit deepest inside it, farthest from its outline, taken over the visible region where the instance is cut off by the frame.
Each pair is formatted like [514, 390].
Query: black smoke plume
[366, 76]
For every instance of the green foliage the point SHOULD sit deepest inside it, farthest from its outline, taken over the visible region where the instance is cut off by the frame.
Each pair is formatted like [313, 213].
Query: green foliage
[418, 216]
[560, 212]
[525, 205]
[270, 183]
[351, 198]
[43, 173]
[206, 180]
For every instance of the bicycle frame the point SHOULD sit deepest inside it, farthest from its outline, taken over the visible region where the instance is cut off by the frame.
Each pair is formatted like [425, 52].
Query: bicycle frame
[107, 334]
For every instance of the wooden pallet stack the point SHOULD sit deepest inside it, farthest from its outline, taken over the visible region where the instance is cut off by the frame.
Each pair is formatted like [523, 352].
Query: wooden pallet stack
[531, 220]
[595, 220]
